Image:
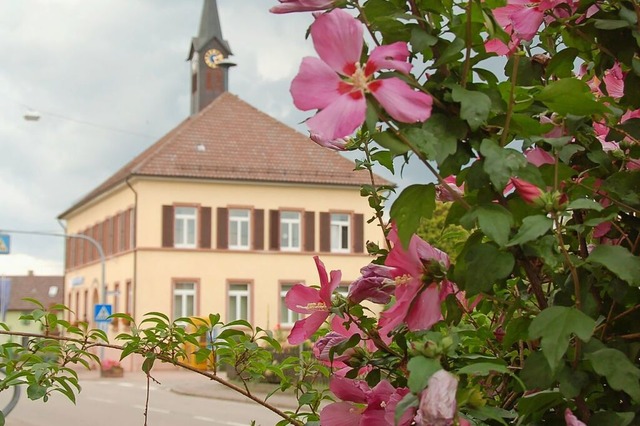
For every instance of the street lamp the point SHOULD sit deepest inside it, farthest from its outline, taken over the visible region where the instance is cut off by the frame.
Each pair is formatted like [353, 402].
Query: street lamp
[95, 243]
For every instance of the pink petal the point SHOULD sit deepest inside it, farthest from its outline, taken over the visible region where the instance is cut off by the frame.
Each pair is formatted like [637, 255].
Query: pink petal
[337, 37]
[400, 101]
[349, 389]
[526, 22]
[288, 6]
[300, 296]
[340, 414]
[538, 156]
[315, 86]
[426, 310]
[340, 119]
[327, 286]
[571, 420]
[304, 328]
[391, 57]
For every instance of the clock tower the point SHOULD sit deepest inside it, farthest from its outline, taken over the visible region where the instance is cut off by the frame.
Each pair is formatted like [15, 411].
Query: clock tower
[208, 55]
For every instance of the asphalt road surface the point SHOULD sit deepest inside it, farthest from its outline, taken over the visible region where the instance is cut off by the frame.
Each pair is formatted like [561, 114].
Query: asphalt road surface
[121, 402]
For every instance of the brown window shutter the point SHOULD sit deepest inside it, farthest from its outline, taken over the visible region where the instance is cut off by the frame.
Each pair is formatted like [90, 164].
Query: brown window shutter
[116, 233]
[258, 229]
[167, 226]
[98, 238]
[67, 262]
[358, 233]
[127, 230]
[205, 227]
[106, 247]
[325, 231]
[223, 228]
[309, 231]
[274, 230]
[134, 224]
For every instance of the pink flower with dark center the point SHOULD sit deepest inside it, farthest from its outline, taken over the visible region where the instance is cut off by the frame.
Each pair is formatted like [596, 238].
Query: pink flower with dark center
[361, 405]
[336, 83]
[376, 285]
[527, 191]
[288, 6]
[316, 303]
[572, 420]
[526, 16]
[444, 194]
[421, 286]
[438, 405]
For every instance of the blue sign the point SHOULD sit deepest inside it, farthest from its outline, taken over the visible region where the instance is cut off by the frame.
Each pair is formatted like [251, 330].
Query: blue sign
[101, 313]
[5, 244]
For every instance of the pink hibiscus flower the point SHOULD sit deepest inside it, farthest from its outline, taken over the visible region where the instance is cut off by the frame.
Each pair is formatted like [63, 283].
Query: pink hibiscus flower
[288, 6]
[572, 420]
[443, 194]
[376, 285]
[527, 191]
[316, 303]
[438, 406]
[420, 285]
[614, 81]
[538, 156]
[336, 83]
[362, 405]
[526, 16]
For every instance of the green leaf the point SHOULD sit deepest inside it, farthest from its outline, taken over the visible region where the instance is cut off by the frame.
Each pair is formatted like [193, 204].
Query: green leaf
[486, 264]
[421, 40]
[389, 141]
[618, 260]
[414, 203]
[485, 368]
[420, 370]
[570, 96]
[585, 204]
[501, 163]
[474, 106]
[555, 326]
[495, 221]
[536, 372]
[439, 136]
[532, 228]
[572, 382]
[539, 402]
[36, 391]
[452, 52]
[610, 24]
[610, 418]
[620, 373]
[2, 418]
[561, 64]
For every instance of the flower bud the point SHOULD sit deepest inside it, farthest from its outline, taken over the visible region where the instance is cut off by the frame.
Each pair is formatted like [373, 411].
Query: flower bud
[528, 192]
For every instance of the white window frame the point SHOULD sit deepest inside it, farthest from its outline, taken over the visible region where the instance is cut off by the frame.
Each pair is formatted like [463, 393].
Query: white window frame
[292, 316]
[184, 294]
[241, 220]
[337, 232]
[233, 291]
[183, 217]
[287, 226]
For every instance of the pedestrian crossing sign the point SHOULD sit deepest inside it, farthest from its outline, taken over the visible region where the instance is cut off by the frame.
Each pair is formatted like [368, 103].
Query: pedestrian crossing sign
[5, 244]
[102, 313]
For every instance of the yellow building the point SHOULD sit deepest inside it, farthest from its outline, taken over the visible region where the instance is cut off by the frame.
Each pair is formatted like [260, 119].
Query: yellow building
[221, 215]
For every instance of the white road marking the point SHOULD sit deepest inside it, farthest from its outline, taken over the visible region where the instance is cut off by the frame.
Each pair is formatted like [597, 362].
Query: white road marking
[107, 401]
[151, 409]
[204, 419]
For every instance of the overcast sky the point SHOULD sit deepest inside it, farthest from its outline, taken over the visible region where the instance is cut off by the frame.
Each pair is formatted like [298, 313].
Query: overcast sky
[119, 65]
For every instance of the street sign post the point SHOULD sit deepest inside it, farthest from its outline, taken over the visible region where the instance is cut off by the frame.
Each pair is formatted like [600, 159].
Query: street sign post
[101, 313]
[5, 244]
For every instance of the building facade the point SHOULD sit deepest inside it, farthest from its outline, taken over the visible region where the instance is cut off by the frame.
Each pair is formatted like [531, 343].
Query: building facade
[222, 215]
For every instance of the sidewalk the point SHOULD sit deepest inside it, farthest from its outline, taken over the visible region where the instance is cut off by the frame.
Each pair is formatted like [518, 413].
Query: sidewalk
[185, 382]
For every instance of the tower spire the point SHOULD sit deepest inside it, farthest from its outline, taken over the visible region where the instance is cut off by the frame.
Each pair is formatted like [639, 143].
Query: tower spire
[208, 55]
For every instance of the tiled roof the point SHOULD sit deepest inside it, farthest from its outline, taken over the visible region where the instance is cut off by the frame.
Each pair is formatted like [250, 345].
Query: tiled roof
[34, 287]
[232, 140]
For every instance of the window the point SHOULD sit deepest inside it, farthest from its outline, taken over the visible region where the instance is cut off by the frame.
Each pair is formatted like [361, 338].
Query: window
[340, 232]
[239, 229]
[290, 231]
[184, 299]
[238, 302]
[185, 227]
[287, 316]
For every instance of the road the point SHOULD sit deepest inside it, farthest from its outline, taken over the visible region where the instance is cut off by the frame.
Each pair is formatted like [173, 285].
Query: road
[121, 402]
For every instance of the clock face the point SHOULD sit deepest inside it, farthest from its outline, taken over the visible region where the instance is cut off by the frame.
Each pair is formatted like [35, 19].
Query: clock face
[213, 57]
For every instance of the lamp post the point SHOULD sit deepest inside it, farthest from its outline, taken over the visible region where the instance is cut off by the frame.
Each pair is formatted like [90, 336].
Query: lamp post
[96, 244]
